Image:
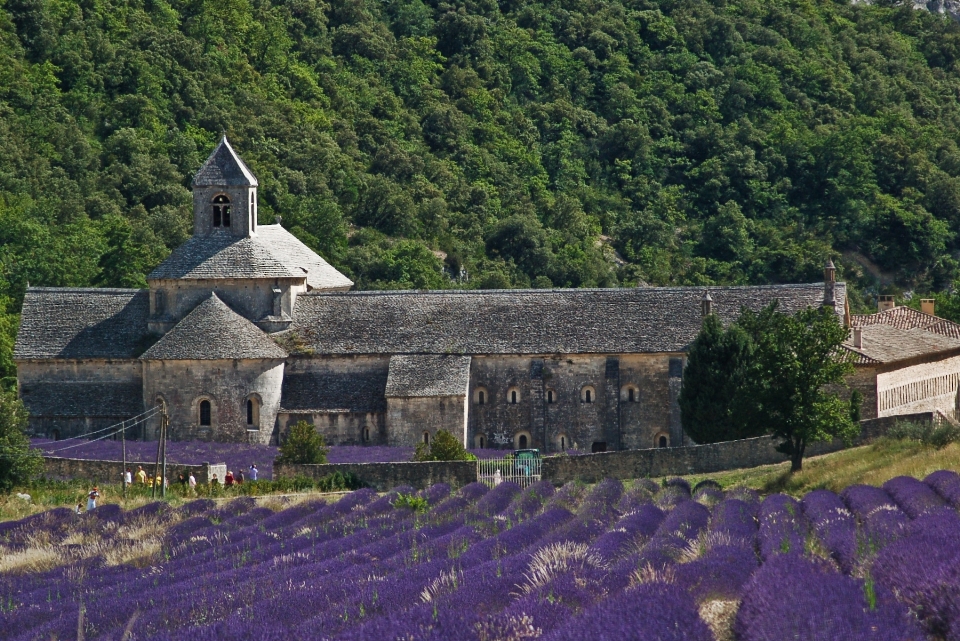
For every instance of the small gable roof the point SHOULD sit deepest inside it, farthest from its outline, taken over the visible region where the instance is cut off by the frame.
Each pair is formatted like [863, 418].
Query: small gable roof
[82, 323]
[213, 331]
[224, 168]
[425, 375]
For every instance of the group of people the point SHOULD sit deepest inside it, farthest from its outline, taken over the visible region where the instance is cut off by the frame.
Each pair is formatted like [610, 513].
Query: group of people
[188, 482]
[230, 480]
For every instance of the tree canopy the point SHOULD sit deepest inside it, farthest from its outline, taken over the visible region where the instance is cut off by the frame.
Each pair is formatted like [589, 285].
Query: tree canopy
[716, 373]
[18, 463]
[444, 446]
[469, 143]
[304, 445]
[770, 373]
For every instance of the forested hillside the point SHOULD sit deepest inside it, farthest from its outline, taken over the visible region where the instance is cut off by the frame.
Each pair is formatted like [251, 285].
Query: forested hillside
[475, 144]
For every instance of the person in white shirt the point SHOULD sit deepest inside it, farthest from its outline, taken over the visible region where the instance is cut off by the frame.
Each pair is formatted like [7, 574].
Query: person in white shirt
[128, 477]
[192, 482]
[92, 497]
[253, 472]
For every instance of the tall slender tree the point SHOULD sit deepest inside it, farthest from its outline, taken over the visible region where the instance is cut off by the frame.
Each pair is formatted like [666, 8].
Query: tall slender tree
[717, 366]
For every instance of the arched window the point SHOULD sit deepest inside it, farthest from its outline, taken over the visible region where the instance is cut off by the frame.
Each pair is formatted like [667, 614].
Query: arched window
[253, 412]
[221, 211]
[563, 443]
[551, 396]
[426, 438]
[205, 412]
[588, 394]
[56, 435]
[630, 394]
[663, 440]
[482, 443]
[513, 396]
[366, 435]
[521, 440]
[480, 396]
[478, 441]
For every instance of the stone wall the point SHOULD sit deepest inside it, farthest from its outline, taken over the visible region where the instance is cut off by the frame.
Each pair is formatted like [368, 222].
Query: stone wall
[552, 407]
[698, 459]
[112, 471]
[227, 384]
[591, 468]
[409, 418]
[385, 476]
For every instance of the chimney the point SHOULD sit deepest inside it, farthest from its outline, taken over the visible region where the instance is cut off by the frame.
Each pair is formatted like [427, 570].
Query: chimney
[886, 302]
[829, 284]
[858, 337]
[706, 305]
[927, 306]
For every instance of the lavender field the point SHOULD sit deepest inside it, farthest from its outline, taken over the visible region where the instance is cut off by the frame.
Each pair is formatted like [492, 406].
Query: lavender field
[237, 456]
[604, 562]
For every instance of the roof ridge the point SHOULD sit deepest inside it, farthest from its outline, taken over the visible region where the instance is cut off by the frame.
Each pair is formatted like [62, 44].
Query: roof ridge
[562, 290]
[99, 290]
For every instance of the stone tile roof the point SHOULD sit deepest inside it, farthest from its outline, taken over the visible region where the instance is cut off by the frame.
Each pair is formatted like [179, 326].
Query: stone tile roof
[298, 257]
[82, 323]
[887, 343]
[419, 375]
[213, 331]
[333, 392]
[223, 255]
[567, 321]
[908, 318]
[272, 253]
[224, 167]
[65, 399]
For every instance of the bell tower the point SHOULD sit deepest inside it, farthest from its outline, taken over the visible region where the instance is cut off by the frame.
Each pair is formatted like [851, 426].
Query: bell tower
[224, 195]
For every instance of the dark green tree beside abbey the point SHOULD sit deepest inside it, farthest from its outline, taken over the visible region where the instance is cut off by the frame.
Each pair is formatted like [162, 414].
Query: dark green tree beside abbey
[770, 373]
[473, 143]
[716, 372]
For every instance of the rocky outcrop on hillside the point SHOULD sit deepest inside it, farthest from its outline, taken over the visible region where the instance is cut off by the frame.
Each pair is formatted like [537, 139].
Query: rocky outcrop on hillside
[951, 7]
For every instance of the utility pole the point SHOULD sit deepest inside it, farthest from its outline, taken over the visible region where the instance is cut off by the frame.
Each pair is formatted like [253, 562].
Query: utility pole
[156, 466]
[123, 471]
[163, 437]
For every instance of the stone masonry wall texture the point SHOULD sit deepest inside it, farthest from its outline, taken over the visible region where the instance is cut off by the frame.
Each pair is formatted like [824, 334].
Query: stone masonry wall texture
[592, 468]
[112, 471]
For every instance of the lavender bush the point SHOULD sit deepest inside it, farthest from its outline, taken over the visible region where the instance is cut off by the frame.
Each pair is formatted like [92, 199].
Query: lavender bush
[480, 564]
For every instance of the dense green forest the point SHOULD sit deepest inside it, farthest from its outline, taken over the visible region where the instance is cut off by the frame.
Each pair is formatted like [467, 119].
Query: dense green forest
[475, 143]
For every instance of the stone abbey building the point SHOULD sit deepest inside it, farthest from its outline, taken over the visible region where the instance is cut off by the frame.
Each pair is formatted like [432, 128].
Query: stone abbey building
[244, 330]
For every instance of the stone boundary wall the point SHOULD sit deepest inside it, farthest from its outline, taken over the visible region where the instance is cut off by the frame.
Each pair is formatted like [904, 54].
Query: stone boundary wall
[699, 459]
[385, 476]
[96, 471]
[591, 468]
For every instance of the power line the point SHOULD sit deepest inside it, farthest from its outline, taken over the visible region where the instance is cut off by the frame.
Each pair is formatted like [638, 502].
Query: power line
[144, 416]
[155, 408]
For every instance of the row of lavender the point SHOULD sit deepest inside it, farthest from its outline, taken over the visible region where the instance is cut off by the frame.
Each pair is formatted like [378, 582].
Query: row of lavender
[603, 563]
[237, 456]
